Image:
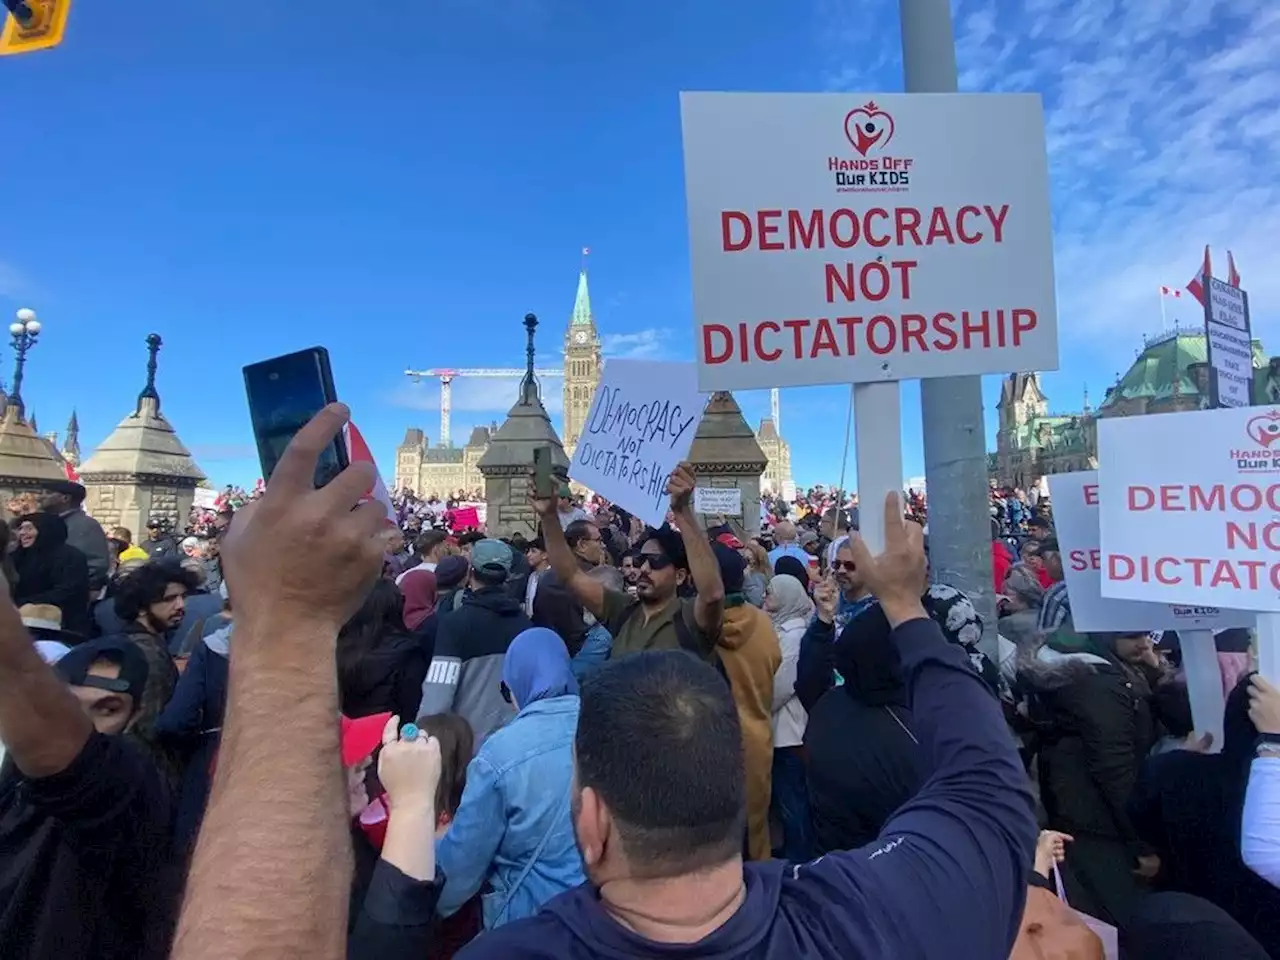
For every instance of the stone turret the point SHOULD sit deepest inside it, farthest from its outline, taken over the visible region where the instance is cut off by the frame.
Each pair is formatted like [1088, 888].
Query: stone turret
[71, 448]
[26, 461]
[725, 453]
[509, 459]
[142, 469]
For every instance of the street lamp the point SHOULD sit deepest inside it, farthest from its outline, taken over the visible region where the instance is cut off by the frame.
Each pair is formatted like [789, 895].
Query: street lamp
[25, 330]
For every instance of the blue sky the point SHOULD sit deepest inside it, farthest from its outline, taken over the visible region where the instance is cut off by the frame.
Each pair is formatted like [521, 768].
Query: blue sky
[402, 182]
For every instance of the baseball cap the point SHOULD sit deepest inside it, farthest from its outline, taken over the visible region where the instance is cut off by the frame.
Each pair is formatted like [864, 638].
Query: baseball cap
[74, 666]
[732, 566]
[807, 538]
[450, 572]
[361, 736]
[729, 540]
[537, 543]
[491, 557]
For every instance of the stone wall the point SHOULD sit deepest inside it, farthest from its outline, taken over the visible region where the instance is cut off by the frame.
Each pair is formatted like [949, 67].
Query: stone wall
[509, 511]
[131, 504]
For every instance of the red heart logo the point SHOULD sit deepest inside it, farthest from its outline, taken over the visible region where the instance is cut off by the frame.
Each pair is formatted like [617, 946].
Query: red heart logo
[1265, 428]
[868, 127]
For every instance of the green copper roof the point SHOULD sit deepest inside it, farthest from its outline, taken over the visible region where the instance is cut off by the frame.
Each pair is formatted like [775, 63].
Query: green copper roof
[1165, 361]
[582, 316]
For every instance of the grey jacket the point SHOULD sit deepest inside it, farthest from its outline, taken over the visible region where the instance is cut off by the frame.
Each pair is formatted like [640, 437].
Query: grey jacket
[86, 535]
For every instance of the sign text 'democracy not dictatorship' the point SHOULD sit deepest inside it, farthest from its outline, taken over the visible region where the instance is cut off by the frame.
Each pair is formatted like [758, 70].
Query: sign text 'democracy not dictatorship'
[840, 238]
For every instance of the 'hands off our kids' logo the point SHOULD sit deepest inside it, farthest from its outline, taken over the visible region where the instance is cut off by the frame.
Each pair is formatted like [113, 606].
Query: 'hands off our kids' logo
[868, 126]
[1265, 428]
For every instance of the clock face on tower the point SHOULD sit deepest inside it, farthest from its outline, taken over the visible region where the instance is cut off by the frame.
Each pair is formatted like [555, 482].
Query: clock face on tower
[580, 337]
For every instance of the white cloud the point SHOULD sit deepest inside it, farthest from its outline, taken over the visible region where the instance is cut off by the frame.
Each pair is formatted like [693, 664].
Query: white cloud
[1164, 134]
[647, 344]
[1163, 128]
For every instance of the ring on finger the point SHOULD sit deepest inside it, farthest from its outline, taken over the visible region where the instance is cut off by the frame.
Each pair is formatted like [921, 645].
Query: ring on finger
[409, 731]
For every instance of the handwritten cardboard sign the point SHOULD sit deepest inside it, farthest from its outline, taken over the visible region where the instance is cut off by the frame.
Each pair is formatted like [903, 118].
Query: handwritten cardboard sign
[640, 427]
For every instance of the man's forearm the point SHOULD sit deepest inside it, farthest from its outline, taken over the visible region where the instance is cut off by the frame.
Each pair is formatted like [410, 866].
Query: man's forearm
[271, 875]
[559, 556]
[41, 725]
[702, 561]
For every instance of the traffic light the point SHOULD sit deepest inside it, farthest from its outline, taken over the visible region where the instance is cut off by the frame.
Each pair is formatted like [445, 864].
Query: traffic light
[33, 25]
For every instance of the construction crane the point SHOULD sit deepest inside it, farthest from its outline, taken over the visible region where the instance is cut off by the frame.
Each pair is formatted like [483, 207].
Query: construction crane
[446, 377]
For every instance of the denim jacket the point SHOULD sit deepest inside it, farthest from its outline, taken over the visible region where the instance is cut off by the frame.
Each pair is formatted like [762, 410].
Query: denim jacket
[517, 794]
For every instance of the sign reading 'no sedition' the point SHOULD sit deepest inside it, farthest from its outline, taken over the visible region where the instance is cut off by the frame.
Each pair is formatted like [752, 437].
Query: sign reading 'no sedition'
[841, 238]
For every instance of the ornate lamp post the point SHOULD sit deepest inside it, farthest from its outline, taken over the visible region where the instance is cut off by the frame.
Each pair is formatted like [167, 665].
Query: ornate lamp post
[25, 330]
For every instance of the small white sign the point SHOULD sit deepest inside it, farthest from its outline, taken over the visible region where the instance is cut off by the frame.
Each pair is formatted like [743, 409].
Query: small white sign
[1075, 512]
[847, 237]
[640, 427]
[1230, 343]
[1190, 507]
[717, 500]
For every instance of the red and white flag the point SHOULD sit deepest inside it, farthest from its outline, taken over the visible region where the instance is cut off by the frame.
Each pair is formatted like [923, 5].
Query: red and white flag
[358, 452]
[1170, 292]
[1233, 275]
[1196, 286]
[70, 471]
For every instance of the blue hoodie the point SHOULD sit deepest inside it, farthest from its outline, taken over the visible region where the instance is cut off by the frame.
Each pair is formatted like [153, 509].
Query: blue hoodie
[946, 879]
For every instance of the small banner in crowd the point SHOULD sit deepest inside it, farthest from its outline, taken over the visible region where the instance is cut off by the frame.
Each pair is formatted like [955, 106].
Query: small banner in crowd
[718, 500]
[1190, 507]
[1075, 510]
[640, 427]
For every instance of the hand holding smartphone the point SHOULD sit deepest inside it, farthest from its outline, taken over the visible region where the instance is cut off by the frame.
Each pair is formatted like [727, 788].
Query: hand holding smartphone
[284, 393]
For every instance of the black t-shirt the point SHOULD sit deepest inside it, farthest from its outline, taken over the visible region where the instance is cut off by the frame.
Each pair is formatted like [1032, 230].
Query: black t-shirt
[85, 865]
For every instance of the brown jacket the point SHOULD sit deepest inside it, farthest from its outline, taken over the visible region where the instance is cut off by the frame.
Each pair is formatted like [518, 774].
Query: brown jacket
[749, 650]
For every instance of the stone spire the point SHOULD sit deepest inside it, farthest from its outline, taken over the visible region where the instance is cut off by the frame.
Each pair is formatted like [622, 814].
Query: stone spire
[506, 464]
[582, 315]
[71, 449]
[32, 420]
[142, 469]
[725, 453]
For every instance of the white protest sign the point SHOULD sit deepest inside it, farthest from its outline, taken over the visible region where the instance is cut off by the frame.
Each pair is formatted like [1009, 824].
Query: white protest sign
[716, 500]
[1191, 507]
[840, 238]
[640, 427]
[1075, 514]
[1230, 343]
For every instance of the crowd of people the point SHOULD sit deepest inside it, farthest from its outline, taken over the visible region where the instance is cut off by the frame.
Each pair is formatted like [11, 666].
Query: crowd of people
[303, 728]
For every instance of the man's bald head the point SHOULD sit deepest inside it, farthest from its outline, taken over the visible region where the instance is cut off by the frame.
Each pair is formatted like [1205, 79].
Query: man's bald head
[784, 532]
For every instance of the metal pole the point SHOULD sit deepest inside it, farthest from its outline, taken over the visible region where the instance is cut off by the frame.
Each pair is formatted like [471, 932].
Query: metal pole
[955, 448]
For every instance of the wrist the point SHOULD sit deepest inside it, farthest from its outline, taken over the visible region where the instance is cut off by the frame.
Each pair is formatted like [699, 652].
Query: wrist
[412, 807]
[901, 611]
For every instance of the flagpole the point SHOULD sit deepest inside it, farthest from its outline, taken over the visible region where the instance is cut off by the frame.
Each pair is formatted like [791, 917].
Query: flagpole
[1164, 322]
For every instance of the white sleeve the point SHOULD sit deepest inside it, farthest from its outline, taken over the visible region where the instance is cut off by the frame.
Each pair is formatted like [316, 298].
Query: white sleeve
[1260, 830]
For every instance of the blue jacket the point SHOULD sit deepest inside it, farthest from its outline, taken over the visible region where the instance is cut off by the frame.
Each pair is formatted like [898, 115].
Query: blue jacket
[946, 878]
[516, 799]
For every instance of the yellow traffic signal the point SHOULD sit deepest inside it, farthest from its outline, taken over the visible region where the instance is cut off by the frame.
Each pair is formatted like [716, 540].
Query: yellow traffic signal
[40, 30]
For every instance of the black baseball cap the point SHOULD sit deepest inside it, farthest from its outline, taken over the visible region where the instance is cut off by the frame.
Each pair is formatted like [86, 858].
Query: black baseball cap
[74, 666]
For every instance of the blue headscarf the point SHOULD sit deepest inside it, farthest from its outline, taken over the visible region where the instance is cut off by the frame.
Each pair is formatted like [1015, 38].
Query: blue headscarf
[536, 667]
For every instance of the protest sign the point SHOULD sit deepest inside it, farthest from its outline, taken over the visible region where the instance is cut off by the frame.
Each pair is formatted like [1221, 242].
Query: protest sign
[718, 500]
[1230, 344]
[640, 426]
[1190, 507]
[839, 238]
[1075, 514]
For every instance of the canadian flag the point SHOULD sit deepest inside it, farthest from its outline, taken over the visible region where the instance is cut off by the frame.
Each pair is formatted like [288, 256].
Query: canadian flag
[1196, 286]
[1170, 292]
[358, 452]
[70, 471]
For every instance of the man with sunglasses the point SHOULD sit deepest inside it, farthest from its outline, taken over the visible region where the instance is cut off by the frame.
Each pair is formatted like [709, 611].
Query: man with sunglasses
[658, 618]
[837, 600]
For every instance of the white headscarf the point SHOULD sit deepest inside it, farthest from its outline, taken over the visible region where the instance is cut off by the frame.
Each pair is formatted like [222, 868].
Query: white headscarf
[790, 600]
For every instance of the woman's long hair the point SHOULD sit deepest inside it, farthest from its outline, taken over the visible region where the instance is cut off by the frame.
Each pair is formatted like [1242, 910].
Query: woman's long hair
[6, 556]
[379, 617]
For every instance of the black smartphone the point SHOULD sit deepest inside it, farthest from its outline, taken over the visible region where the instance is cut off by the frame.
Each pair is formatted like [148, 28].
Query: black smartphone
[544, 480]
[284, 393]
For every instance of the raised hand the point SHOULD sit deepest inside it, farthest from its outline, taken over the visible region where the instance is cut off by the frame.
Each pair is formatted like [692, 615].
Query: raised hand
[680, 487]
[408, 766]
[826, 597]
[301, 556]
[898, 576]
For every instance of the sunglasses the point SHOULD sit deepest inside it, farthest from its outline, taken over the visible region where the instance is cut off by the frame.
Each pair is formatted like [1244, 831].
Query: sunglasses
[505, 691]
[655, 561]
[846, 565]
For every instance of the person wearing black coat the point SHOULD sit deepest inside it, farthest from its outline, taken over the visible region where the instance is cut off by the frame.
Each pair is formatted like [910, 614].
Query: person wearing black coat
[1093, 717]
[51, 571]
[1189, 805]
[381, 666]
[863, 761]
